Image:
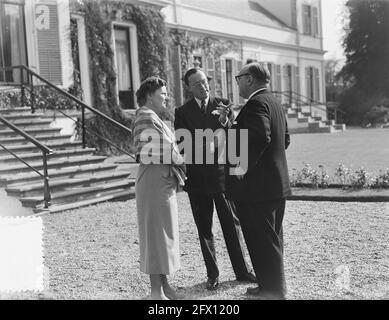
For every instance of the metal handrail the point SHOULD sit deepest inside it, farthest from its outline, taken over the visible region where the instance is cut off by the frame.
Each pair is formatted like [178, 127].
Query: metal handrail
[83, 127]
[310, 102]
[45, 151]
[24, 134]
[68, 95]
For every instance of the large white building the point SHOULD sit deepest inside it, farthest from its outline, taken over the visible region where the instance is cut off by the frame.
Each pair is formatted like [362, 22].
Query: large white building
[285, 34]
[220, 36]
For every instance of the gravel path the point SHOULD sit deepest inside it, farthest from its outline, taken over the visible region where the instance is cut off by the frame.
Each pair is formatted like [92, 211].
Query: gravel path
[332, 251]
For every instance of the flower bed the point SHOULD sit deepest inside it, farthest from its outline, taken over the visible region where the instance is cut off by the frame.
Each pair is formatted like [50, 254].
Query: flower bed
[343, 178]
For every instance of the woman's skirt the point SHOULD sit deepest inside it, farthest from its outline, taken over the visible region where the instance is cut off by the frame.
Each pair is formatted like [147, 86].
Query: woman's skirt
[156, 203]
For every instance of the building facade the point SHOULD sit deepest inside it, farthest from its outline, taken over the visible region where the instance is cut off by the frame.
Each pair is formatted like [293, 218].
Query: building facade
[219, 36]
[284, 34]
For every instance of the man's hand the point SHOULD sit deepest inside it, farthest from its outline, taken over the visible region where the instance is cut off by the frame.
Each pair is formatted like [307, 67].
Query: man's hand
[223, 112]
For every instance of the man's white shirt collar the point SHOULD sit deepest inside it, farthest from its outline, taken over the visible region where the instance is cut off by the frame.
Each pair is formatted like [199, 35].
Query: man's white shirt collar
[199, 102]
[255, 92]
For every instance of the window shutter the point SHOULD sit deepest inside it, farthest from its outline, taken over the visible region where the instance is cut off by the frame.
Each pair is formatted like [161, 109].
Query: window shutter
[308, 82]
[306, 19]
[294, 14]
[270, 67]
[278, 78]
[316, 84]
[315, 22]
[296, 80]
[211, 73]
[285, 77]
[286, 87]
[48, 47]
[239, 66]
[223, 76]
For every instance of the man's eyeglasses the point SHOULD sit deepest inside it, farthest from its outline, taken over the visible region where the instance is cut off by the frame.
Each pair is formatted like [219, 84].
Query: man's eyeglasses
[241, 75]
[201, 83]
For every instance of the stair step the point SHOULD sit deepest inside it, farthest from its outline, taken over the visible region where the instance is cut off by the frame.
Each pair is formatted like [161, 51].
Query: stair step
[31, 177]
[317, 124]
[78, 194]
[122, 195]
[302, 120]
[32, 132]
[57, 154]
[329, 122]
[41, 138]
[28, 123]
[58, 163]
[15, 110]
[12, 117]
[61, 184]
[34, 148]
[340, 127]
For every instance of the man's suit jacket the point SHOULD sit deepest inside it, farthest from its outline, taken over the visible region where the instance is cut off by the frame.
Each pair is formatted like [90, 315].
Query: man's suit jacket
[202, 178]
[267, 176]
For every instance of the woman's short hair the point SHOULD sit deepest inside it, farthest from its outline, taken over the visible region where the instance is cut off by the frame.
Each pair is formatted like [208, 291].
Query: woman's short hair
[148, 86]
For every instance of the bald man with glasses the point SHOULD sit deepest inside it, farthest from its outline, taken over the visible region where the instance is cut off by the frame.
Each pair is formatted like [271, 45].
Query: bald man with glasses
[260, 191]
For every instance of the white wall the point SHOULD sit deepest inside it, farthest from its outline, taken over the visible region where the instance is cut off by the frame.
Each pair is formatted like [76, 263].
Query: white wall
[189, 17]
[65, 42]
[31, 36]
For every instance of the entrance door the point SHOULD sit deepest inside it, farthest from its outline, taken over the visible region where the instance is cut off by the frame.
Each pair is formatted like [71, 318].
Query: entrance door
[12, 39]
[123, 67]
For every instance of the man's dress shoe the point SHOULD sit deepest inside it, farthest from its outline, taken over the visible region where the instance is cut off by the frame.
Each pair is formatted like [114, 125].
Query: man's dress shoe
[263, 295]
[247, 277]
[213, 283]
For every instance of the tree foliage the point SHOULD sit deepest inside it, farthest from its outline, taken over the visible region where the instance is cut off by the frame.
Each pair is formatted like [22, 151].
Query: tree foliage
[367, 64]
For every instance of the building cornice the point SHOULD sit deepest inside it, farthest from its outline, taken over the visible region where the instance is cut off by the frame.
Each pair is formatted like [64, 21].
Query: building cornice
[217, 14]
[240, 38]
[158, 3]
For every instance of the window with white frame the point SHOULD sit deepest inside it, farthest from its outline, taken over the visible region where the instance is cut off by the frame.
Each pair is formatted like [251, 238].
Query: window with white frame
[310, 20]
[229, 67]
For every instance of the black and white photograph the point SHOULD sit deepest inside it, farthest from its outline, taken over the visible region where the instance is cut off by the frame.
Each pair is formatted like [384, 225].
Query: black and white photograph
[199, 151]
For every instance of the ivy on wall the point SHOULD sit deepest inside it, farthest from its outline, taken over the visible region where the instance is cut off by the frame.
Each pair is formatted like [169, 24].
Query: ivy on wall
[209, 46]
[151, 34]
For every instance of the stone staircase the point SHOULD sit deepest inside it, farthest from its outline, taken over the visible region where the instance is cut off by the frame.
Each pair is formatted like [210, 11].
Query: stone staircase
[301, 120]
[78, 177]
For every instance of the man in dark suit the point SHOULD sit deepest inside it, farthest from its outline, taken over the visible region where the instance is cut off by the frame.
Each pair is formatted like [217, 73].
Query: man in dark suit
[206, 182]
[259, 191]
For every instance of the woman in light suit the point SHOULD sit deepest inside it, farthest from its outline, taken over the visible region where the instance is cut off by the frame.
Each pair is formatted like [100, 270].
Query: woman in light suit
[160, 174]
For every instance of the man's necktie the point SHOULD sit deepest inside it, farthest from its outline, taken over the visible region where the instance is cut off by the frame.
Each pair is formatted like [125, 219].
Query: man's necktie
[203, 106]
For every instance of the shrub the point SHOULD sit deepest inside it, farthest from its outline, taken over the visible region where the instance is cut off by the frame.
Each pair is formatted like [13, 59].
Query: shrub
[361, 179]
[310, 176]
[382, 180]
[379, 114]
[343, 174]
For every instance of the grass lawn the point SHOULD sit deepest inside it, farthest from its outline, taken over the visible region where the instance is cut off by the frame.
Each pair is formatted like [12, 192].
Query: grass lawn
[354, 148]
[92, 253]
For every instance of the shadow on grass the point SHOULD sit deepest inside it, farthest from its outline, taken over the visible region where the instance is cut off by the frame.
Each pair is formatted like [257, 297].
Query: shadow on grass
[199, 291]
